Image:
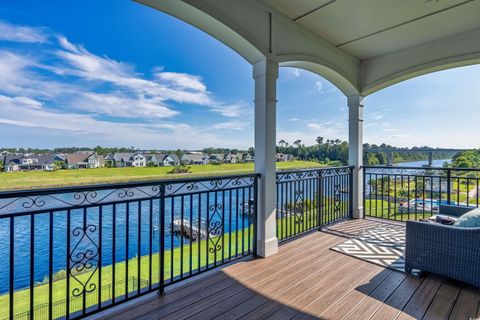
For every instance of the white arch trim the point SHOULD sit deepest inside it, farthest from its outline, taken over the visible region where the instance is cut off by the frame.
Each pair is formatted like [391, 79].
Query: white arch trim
[457, 51]
[322, 68]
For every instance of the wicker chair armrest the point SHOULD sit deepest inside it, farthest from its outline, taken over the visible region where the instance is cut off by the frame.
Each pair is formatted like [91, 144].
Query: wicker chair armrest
[454, 211]
[443, 249]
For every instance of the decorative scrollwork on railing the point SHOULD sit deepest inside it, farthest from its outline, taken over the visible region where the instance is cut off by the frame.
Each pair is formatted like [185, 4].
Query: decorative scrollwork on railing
[336, 171]
[84, 258]
[402, 171]
[173, 189]
[311, 174]
[215, 227]
[337, 196]
[298, 208]
[297, 175]
[65, 200]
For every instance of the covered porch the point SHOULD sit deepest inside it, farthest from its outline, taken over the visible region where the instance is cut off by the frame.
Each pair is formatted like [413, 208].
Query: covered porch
[120, 244]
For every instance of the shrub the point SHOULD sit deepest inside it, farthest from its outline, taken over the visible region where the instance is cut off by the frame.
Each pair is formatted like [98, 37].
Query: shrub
[179, 169]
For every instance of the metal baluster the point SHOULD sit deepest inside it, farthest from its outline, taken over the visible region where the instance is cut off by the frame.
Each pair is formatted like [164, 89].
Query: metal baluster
[11, 267]
[100, 239]
[127, 232]
[139, 248]
[191, 236]
[114, 251]
[32, 265]
[67, 304]
[150, 243]
[50, 265]
[182, 214]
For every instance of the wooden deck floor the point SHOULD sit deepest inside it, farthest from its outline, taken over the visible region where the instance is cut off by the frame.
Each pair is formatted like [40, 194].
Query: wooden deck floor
[306, 280]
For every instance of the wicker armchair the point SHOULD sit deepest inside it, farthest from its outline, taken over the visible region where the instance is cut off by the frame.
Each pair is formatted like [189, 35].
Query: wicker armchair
[446, 250]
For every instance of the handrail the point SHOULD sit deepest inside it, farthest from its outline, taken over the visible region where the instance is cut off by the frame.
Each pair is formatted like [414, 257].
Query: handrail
[421, 168]
[119, 185]
[314, 169]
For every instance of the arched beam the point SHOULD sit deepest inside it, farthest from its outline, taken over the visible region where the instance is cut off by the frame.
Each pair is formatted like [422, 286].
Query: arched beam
[446, 53]
[337, 78]
[211, 20]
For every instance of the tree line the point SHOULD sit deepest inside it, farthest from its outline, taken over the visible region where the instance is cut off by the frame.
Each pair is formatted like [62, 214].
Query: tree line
[323, 151]
[466, 159]
[326, 150]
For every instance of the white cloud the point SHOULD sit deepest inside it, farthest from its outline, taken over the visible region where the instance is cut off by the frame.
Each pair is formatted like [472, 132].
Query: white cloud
[129, 96]
[118, 104]
[390, 130]
[319, 86]
[16, 33]
[401, 136]
[294, 119]
[17, 79]
[15, 112]
[182, 80]
[231, 125]
[81, 63]
[333, 129]
[233, 110]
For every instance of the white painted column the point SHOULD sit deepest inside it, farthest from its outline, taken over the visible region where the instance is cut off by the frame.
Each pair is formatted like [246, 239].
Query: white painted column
[265, 73]
[355, 151]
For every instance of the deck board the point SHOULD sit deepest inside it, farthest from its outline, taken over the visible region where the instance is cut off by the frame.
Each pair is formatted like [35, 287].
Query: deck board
[307, 280]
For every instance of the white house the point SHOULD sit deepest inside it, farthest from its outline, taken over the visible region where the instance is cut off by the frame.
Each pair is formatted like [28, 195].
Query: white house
[83, 160]
[130, 159]
[163, 160]
[30, 162]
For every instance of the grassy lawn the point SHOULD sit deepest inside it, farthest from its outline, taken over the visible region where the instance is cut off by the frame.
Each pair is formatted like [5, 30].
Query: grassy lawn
[232, 244]
[42, 179]
[384, 209]
[172, 266]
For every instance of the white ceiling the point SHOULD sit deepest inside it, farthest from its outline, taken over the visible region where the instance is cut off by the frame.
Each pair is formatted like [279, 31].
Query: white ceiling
[371, 28]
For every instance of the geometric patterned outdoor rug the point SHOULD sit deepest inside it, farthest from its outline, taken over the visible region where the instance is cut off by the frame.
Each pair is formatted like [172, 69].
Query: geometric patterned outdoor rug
[384, 246]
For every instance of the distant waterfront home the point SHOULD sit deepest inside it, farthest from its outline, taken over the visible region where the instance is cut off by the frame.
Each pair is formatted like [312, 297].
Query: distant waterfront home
[216, 158]
[234, 158]
[84, 160]
[130, 159]
[163, 160]
[30, 162]
[194, 158]
[283, 157]
[249, 158]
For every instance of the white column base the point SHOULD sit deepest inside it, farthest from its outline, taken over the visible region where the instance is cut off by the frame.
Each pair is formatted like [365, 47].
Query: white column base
[358, 213]
[266, 248]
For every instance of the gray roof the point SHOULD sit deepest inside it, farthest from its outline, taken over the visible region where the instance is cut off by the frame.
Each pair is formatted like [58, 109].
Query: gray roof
[174, 157]
[125, 156]
[193, 157]
[42, 159]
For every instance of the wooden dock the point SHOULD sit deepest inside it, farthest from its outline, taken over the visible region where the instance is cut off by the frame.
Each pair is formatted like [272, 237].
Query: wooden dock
[192, 232]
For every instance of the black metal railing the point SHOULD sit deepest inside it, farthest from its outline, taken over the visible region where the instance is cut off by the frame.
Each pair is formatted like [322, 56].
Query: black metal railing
[403, 193]
[68, 252]
[310, 199]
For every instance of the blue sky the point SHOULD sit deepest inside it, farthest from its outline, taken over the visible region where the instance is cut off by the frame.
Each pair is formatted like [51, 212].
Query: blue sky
[116, 73]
